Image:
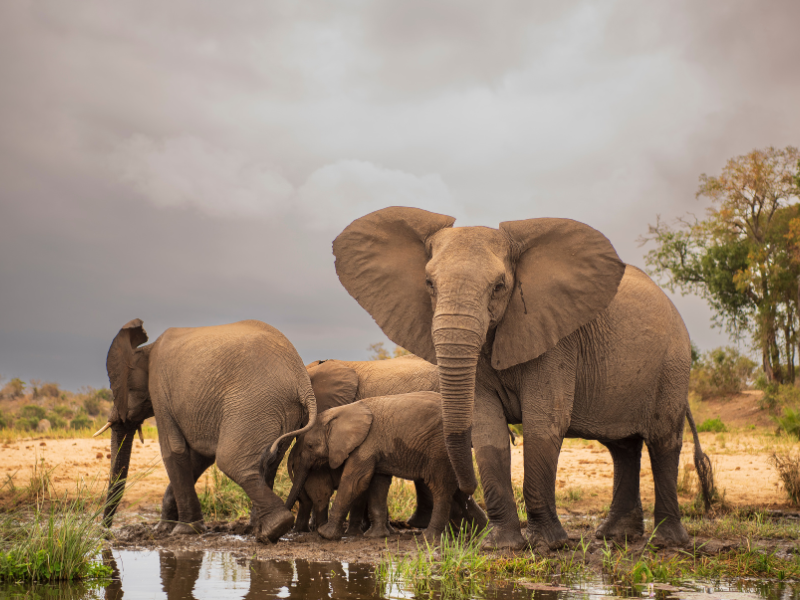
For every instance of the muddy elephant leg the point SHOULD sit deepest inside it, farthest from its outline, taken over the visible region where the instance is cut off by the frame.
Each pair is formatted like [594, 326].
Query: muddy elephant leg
[625, 519]
[358, 516]
[665, 459]
[546, 398]
[465, 513]
[422, 514]
[177, 458]
[301, 520]
[493, 454]
[356, 476]
[378, 494]
[440, 515]
[169, 507]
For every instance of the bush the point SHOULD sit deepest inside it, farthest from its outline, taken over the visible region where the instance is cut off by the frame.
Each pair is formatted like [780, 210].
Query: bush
[92, 405]
[104, 394]
[788, 467]
[713, 425]
[65, 412]
[3, 421]
[56, 422]
[721, 372]
[31, 411]
[26, 424]
[776, 395]
[13, 389]
[81, 421]
[50, 390]
[789, 422]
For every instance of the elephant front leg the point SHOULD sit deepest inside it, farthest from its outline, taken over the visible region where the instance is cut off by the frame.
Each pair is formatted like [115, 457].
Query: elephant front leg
[355, 481]
[377, 504]
[422, 514]
[301, 521]
[493, 454]
[625, 519]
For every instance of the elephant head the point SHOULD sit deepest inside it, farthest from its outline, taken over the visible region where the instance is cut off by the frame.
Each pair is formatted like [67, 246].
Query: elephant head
[128, 368]
[337, 432]
[450, 294]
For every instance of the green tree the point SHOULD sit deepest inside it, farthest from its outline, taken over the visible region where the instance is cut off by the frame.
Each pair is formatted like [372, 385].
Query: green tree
[743, 258]
[13, 389]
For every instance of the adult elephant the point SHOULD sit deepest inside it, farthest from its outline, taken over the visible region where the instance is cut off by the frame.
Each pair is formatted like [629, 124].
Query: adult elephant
[340, 382]
[538, 322]
[221, 393]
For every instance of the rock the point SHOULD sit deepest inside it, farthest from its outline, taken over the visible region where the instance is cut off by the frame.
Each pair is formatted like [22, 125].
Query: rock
[44, 425]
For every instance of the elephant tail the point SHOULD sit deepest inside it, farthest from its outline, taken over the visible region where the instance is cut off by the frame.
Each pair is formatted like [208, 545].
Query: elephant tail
[702, 463]
[271, 457]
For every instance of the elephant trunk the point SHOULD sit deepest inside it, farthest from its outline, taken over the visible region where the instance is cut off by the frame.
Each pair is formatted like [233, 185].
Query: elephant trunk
[121, 444]
[457, 350]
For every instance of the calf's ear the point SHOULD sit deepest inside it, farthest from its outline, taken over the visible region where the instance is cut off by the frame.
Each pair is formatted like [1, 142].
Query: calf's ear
[334, 384]
[347, 428]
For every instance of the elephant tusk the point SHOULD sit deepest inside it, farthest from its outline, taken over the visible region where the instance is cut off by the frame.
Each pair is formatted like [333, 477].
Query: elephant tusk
[141, 435]
[102, 429]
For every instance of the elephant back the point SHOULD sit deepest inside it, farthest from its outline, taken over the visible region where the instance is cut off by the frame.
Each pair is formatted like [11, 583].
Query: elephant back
[334, 384]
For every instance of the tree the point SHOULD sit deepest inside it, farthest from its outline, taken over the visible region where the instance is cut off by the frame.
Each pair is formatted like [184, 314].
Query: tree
[744, 257]
[380, 353]
[13, 389]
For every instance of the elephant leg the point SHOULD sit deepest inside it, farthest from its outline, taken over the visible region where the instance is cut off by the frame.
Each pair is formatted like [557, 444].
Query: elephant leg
[546, 398]
[169, 507]
[465, 512]
[422, 514]
[358, 471]
[440, 515]
[665, 460]
[493, 454]
[378, 495]
[301, 520]
[358, 516]
[625, 518]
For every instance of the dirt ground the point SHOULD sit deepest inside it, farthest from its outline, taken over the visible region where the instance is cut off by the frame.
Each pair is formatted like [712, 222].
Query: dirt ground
[584, 484]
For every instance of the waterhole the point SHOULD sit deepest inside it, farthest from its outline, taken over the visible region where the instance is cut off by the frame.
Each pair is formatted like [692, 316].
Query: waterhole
[179, 575]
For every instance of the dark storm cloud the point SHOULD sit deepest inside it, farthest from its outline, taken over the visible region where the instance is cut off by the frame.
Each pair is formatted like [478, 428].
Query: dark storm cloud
[190, 163]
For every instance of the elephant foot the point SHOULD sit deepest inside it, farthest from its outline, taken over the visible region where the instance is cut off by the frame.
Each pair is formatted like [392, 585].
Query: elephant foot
[671, 532]
[330, 531]
[620, 527]
[420, 519]
[300, 527]
[504, 538]
[354, 529]
[273, 525]
[432, 536]
[380, 531]
[165, 527]
[549, 533]
[193, 528]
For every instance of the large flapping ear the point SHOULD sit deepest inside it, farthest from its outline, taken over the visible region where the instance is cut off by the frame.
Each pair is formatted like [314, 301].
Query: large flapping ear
[380, 260]
[119, 361]
[334, 384]
[566, 274]
[347, 428]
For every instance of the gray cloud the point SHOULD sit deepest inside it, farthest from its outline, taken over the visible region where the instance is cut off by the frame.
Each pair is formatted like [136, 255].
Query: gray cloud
[190, 163]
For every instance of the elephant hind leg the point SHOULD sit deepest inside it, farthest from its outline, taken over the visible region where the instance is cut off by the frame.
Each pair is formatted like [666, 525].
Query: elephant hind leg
[665, 459]
[169, 507]
[422, 514]
[625, 519]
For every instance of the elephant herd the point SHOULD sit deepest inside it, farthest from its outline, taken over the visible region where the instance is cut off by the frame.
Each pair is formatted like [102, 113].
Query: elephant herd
[537, 323]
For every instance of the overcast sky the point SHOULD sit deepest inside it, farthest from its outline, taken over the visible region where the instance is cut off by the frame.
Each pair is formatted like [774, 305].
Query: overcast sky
[189, 163]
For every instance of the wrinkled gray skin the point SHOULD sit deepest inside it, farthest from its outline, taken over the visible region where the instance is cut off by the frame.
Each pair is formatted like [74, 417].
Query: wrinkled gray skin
[375, 439]
[337, 383]
[538, 322]
[221, 393]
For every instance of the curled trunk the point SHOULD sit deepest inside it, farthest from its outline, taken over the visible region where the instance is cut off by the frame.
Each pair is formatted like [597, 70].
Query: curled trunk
[121, 444]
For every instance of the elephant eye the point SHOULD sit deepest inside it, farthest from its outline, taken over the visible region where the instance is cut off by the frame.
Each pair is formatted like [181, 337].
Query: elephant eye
[429, 285]
[498, 286]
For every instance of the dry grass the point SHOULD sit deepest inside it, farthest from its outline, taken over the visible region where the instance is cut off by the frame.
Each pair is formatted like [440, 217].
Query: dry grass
[788, 466]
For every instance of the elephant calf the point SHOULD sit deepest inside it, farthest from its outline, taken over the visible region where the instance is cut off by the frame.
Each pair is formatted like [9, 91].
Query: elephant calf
[375, 439]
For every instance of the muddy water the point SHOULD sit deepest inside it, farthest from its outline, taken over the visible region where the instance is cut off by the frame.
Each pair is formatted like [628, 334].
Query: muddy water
[190, 574]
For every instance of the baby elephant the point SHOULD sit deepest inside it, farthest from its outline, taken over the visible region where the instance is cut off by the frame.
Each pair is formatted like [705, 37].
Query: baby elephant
[377, 438]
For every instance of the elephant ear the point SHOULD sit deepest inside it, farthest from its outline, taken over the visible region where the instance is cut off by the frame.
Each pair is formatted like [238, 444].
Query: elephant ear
[334, 384]
[566, 274]
[120, 361]
[347, 428]
[380, 260]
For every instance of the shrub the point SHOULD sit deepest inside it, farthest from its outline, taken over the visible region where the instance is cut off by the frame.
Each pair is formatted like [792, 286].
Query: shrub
[721, 372]
[50, 390]
[4, 422]
[56, 422]
[65, 412]
[92, 405]
[713, 425]
[30, 411]
[81, 421]
[26, 424]
[381, 353]
[788, 467]
[104, 394]
[13, 389]
[776, 395]
[790, 422]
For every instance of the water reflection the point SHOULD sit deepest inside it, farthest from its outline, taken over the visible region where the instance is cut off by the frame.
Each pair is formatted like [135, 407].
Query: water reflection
[189, 575]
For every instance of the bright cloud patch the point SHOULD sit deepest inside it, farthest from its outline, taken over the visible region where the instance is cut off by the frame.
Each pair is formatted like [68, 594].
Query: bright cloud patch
[189, 172]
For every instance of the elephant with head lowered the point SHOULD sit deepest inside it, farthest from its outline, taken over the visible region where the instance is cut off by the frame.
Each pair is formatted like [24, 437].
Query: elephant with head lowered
[223, 393]
[538, 322]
